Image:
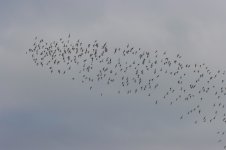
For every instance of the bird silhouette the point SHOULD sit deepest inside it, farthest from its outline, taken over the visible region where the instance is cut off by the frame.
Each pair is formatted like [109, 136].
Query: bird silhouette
[136, 71]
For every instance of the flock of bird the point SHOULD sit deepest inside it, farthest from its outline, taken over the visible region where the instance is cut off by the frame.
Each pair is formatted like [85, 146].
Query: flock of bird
[131, 70]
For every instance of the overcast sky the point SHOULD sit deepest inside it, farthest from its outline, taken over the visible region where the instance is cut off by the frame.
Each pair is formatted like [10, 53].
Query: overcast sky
[49, 112]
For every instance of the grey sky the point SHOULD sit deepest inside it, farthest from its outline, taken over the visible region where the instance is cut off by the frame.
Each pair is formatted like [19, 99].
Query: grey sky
[49, 112]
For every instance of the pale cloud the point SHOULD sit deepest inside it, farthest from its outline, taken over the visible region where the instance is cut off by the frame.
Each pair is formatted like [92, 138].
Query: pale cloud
[41, 111]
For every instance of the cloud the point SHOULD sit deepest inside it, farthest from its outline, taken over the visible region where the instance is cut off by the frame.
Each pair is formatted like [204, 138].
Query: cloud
[41, 111]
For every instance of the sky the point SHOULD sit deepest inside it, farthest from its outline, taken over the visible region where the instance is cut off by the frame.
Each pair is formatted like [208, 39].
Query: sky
[50, 112]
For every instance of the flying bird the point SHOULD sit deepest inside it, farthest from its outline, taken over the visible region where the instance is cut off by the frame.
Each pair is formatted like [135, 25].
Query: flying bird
[136, 71]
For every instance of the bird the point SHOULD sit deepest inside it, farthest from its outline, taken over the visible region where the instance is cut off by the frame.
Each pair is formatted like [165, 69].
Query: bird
[136, 71]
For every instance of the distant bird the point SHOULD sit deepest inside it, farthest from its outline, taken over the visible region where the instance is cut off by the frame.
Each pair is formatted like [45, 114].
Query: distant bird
[137, 71]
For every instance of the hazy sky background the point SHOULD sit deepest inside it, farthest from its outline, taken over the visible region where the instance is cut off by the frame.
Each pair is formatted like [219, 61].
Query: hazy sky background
[49, 112]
